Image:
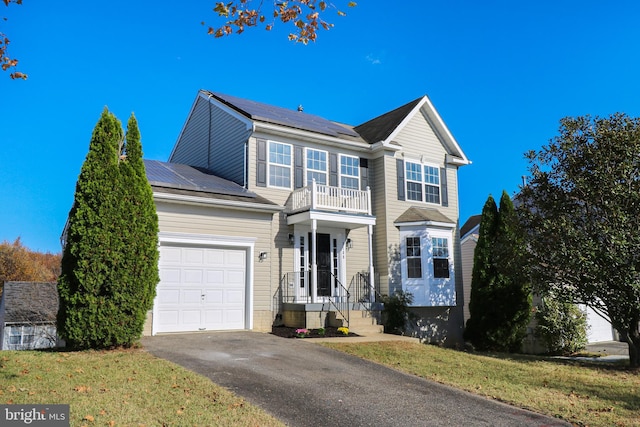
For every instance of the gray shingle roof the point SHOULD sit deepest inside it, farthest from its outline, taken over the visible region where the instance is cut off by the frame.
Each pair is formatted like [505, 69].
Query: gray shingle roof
[30, 302]
[416, 214]
[381, 127]
[470, 224]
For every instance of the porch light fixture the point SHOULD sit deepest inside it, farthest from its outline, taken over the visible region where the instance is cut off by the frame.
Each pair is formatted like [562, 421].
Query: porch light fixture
[292, 239]
[349, 244]
[263, 255]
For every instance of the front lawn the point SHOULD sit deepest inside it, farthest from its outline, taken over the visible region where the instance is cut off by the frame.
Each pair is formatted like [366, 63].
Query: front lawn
[584, 394]
[122, 388]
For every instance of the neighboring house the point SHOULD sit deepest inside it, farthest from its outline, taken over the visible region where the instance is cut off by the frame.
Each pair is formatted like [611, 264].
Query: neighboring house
[469, 233]
[271, 216]
[28, 315]
[599, 328]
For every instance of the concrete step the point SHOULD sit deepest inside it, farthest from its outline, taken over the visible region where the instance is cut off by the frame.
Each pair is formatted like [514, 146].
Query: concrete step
[362, 323]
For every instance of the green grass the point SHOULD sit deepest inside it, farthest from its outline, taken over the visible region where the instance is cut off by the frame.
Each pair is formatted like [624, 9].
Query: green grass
[583, 394]
[122, 388]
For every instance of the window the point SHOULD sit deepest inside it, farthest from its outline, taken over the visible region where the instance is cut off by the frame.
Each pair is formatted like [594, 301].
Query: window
[303, 263]
[21, 335]
[414, 258]
[350, 172]
[432, 184]
[422, 182]
[316, 166]
[279, 165]
[414, 181]
[440, 247]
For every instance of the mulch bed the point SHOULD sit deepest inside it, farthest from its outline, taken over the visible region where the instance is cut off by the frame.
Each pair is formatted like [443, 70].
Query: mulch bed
[329, 332]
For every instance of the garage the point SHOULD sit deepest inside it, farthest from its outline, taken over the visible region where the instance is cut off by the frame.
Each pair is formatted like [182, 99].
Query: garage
[201, 288]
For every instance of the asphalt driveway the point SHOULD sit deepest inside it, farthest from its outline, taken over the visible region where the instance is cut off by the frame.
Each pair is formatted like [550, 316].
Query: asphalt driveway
[305, 384]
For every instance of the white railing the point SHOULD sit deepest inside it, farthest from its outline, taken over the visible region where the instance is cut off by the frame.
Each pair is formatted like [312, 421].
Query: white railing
[319, 196]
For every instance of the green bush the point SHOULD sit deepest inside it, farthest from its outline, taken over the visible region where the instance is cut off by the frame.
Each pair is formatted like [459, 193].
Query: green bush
[396, 312]
[500, 302]
[561, 326]
[110, 259]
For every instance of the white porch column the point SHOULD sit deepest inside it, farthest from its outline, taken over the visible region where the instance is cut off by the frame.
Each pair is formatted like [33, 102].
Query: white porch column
[314, 265]
[372, 284]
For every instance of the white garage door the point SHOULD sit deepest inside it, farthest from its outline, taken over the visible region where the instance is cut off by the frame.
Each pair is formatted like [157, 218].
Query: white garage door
[200, 289]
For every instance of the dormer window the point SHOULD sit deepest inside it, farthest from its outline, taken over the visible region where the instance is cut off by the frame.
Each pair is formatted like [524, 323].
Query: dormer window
[350, 172]
[316, 166]
[279, 164]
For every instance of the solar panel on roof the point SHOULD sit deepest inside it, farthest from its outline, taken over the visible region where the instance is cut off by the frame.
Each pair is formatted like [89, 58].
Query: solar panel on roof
[175, 175]
[286, 117]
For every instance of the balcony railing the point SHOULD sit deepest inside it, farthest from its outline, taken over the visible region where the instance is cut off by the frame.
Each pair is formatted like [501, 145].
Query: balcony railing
[325, 197]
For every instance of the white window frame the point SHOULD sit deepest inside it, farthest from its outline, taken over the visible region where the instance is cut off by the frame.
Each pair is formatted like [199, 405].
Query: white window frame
[445, 254]
[357, 169]
[270, 163]
[428, 290]
[424, 181]
[307, 169]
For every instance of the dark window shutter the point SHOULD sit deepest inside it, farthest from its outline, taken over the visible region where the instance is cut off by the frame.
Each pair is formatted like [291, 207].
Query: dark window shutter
[298, 170]
[364, 173]
[444, 193]
[261, 167]
[400, 173]
[333, 169]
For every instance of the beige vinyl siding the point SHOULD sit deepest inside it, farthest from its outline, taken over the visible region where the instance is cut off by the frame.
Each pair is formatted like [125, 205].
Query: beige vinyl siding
[232, 223]
[358, 256]
[213, 139]
[419, 143]
[467, 249]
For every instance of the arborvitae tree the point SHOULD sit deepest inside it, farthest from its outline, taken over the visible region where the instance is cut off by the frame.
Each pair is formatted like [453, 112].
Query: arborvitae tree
[512, 296]
[139, 274]
[482, 276]
[108, 264]
[500, 304]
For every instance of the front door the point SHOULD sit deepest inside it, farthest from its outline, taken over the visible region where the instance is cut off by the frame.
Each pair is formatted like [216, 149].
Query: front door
[323, 261]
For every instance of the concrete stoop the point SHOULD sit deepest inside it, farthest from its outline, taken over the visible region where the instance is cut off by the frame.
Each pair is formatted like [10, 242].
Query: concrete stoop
[362, 323]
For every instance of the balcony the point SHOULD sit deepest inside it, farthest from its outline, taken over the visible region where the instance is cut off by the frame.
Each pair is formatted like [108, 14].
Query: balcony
[326, 198]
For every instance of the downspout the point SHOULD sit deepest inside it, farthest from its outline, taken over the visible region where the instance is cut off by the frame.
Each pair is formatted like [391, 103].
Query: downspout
[246, 159]
[209, 137]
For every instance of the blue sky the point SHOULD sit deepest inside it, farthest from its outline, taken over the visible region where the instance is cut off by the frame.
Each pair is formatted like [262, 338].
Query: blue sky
[500, 73]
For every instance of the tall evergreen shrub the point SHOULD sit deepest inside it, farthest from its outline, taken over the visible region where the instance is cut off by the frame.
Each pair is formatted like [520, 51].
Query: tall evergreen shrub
[500, 304]
[109, 263]
[482, 277]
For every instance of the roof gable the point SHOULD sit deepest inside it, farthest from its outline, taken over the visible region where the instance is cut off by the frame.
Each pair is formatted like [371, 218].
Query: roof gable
[386, 127]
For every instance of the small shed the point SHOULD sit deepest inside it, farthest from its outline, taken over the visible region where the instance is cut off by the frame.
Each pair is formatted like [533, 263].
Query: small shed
[28, 313]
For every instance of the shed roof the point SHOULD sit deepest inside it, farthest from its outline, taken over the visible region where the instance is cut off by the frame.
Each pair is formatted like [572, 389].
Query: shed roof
[30, 302]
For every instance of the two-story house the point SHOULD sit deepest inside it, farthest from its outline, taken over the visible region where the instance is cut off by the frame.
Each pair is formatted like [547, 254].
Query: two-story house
[269, 215]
